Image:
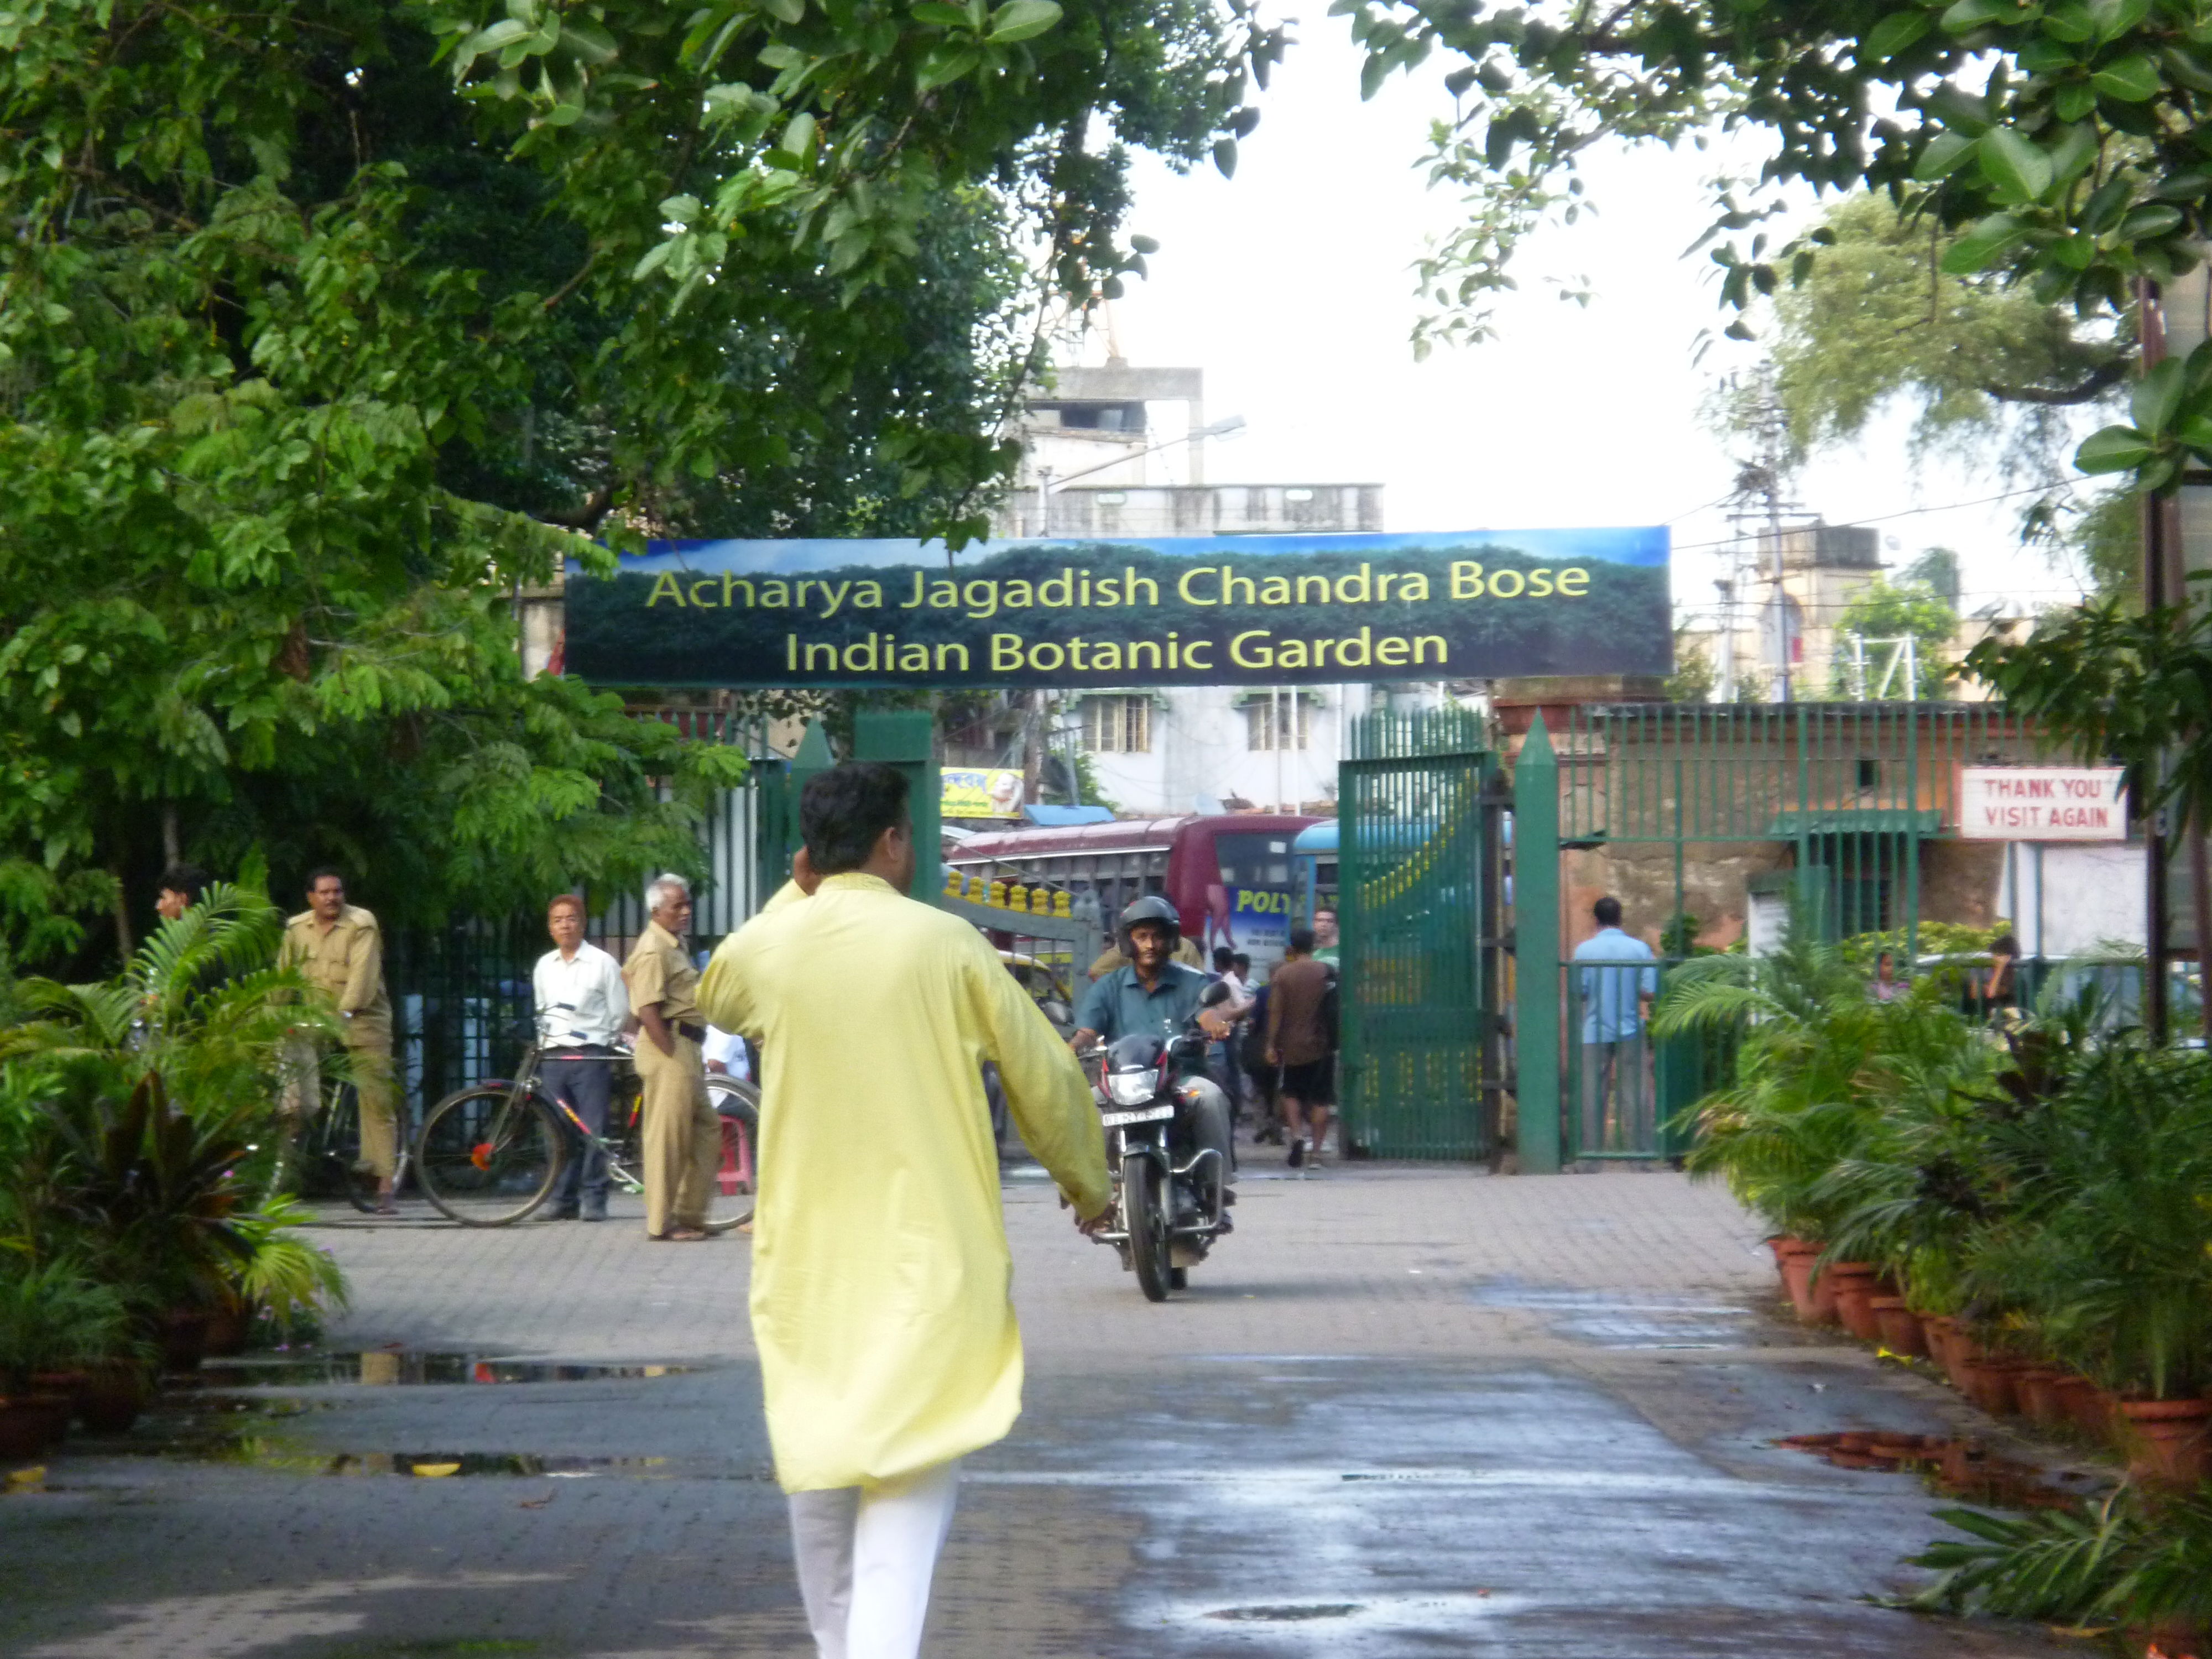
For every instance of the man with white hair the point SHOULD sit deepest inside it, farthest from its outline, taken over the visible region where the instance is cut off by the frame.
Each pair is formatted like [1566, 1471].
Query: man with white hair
[683, 1136]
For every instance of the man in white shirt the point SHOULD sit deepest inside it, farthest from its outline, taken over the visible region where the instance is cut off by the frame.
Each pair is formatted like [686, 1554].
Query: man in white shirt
[581, 1009]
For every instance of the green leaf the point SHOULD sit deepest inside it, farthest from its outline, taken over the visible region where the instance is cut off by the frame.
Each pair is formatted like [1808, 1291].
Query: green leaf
[788, 11]
[1944, 154]
[1955, 107]
[2114, 449]
[2075, 101]
[2133, 80]
[1892, 35]
[681, 209]
[940, 15]
[1023, 19]
[1224, 156]
[1979, 248]
[2113, 18]
[2157, 396]
[2149, 221]
[1965, 17]
[2014, 164]
[2072, 153]
[946, 64]
[1144, 244]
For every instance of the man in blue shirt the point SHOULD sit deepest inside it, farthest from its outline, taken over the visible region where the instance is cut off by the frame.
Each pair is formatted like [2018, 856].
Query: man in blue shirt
[1157, 995]
[1616, 989]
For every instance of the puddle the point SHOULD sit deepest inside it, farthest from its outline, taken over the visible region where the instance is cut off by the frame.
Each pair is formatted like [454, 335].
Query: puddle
[1291, 1612]
[388, 1367]
[1624, 1319]
[1958, 1469]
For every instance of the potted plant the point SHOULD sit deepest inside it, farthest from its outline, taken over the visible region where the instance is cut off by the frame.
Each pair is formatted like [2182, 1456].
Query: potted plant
[53, 1318]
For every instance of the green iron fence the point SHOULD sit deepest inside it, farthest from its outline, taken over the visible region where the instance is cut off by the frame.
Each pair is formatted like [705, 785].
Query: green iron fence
[1420, 887]
[1713, 820]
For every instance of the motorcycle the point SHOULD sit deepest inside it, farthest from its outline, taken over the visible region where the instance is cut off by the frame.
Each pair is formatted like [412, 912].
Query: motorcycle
[1168, 1213]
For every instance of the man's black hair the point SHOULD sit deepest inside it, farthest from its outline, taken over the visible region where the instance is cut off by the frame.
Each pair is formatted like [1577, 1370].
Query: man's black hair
[187, 878]
[1608, 911]
[1241, 960]
[1301, 940]
[322, 870]
[1224, 958]
[844, 811]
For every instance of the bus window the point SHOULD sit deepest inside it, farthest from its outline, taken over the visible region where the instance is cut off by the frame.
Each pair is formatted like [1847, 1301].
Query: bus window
[1253, 861]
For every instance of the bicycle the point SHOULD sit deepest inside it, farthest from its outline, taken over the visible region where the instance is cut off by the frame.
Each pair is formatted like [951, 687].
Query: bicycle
[318, 1154]
[490, 1154]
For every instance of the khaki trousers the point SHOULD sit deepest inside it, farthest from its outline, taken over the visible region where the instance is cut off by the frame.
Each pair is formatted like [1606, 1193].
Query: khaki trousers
[683, 1136]
[368, 1060]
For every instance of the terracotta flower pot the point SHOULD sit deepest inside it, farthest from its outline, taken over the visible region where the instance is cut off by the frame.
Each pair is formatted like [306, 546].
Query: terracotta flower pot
[1990, 1382]
[29, 1423]
[2036, 1387]
[1795, 1258]
[1940, 1331]
[2167, 1441]
[1899, 1326]
[182, 1335]
[111, 1399]
[2086, 1405]
[1855, 1291]
[229, 1325]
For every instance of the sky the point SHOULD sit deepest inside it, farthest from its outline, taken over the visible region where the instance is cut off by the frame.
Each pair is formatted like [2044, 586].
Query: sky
[1290, 287]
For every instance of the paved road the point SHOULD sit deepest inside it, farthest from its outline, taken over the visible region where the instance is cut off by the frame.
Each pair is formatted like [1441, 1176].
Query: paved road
[1404, 1411]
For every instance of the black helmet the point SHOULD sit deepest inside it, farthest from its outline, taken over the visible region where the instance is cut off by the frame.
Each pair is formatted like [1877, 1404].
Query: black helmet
[1152, 908]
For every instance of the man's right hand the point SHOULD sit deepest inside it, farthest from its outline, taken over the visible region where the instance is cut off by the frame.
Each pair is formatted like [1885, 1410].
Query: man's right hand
[1102, 1222]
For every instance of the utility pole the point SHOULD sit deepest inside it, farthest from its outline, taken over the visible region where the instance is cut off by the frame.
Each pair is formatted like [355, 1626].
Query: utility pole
[1759, 501]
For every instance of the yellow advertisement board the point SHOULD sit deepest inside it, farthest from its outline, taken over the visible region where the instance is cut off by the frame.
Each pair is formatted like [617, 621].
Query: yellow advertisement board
[976, 793]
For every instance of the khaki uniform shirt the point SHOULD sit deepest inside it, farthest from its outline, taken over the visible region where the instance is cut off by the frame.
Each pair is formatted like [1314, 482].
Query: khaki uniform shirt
[660, 971]
[346, 963]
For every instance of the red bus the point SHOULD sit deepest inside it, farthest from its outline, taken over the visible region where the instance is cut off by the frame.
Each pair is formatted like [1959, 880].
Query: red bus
[1230, 874]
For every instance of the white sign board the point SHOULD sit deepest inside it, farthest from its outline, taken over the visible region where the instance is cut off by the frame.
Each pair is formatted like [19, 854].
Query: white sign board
[2042, 803]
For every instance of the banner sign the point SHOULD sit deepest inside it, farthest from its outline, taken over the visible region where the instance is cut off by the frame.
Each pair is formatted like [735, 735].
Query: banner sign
[1198, 611]
[968, 794]
[2042, 803]
[1259, 925]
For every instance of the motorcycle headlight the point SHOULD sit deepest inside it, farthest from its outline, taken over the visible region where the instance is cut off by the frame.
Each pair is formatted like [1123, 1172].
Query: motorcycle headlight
[1130, 1088]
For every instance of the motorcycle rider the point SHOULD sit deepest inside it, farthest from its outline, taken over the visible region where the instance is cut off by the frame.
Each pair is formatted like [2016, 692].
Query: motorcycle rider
[1155, 996]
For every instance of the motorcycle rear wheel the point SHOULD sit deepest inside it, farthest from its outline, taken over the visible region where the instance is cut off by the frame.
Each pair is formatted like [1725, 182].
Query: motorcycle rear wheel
[1144, 1215]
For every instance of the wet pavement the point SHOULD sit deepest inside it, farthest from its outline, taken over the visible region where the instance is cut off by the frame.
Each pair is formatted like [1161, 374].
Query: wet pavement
[1403, 1413]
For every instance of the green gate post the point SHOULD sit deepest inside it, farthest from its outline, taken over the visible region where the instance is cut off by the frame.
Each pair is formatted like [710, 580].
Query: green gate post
[906, 739]
[1536, 952]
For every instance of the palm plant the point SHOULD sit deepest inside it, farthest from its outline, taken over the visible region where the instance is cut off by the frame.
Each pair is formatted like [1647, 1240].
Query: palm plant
[55, 1316]
[1804, 1096]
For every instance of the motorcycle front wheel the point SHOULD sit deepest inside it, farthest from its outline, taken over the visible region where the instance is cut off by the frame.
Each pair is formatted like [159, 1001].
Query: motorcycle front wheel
[1145, 1214]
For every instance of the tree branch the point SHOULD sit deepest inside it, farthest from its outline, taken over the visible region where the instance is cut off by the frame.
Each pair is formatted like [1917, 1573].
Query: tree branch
[2100, 381]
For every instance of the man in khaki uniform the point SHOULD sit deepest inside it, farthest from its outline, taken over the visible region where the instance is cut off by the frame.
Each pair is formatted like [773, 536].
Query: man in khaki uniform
[338, 946]
[683, 1136]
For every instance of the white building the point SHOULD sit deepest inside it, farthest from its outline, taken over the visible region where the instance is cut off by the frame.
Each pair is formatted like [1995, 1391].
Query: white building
[1118, 451]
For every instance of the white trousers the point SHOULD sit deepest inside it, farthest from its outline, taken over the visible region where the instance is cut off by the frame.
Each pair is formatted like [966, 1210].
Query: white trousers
[865, 1557]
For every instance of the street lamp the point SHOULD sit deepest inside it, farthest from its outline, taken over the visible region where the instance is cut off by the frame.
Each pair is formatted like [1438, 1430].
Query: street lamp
[1047, 484]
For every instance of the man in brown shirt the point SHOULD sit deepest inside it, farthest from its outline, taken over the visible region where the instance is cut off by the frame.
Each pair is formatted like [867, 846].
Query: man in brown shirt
[1298, 1041]
[683, 1136]
[340, 949]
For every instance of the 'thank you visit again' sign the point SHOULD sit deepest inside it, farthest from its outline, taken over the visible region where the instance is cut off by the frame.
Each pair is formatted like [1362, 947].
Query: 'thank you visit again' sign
[1199, 611]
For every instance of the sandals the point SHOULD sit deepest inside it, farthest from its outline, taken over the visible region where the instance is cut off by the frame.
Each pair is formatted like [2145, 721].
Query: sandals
[678, 1236]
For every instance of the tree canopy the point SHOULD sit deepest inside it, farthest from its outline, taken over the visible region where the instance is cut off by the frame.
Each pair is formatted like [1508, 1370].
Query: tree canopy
[330, 327]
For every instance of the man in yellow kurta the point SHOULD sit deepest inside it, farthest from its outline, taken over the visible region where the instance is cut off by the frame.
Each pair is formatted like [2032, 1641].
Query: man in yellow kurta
[340, 950]
[880, 1302]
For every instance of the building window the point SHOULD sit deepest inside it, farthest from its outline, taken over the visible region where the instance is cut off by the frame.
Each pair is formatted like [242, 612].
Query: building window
[1118, 725]
[1276, 722]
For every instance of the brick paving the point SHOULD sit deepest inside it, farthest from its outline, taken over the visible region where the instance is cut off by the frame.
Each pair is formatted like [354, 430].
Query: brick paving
[1404, 1412]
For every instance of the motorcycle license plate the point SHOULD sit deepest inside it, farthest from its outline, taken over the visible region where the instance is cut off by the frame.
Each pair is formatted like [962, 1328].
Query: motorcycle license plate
[1149, 1115]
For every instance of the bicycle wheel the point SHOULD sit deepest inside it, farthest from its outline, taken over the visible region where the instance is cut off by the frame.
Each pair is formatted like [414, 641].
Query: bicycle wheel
[729, 1194]
[488, 1155]
[321, 1158]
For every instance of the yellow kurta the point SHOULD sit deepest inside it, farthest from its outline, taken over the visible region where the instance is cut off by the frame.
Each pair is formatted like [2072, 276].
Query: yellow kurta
[880, 1281]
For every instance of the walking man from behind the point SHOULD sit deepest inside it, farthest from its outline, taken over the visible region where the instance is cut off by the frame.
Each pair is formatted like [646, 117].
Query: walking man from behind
[887, 1339]
[1299, 1041]
[1617, 985]
[682, 1135]
[340, 949]
[582, 1007]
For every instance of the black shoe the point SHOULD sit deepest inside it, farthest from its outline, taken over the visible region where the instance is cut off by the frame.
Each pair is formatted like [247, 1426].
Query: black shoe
[1297, 1152]
[566, 1212]
[596, 1214]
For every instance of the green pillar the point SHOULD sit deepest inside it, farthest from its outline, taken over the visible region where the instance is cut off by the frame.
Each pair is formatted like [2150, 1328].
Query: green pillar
[906, 739]
[1536, 950]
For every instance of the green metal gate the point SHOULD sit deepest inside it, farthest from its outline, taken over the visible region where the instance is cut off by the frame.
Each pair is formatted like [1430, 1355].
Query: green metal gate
[1419, 905]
